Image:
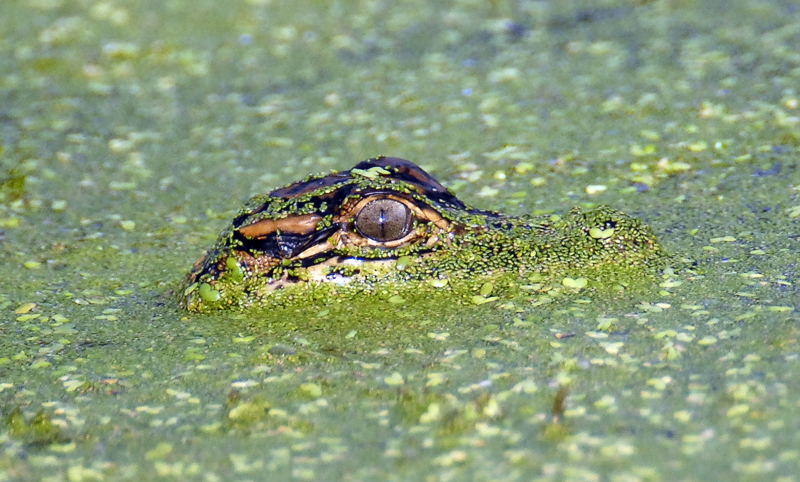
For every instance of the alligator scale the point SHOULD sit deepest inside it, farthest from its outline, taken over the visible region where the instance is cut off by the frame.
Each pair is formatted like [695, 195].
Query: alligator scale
[386, 221]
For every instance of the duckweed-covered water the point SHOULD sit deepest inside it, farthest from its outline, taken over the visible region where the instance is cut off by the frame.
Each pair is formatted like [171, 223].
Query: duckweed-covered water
[131, 132]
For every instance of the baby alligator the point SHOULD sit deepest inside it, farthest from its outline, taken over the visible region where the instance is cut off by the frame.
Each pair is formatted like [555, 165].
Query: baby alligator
[388, 222]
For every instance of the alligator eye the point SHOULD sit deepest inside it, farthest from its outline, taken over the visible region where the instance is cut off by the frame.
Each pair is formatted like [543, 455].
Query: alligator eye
[384, 220]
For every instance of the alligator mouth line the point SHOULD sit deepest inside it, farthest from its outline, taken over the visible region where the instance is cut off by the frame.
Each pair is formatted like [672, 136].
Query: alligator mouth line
[326, 267]
[327, 272]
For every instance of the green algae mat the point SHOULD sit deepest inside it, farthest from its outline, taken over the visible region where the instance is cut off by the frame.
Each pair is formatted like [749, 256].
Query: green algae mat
[132, 132]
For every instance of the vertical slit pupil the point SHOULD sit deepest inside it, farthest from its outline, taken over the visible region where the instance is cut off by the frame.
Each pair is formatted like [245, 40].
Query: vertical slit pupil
[384, 220]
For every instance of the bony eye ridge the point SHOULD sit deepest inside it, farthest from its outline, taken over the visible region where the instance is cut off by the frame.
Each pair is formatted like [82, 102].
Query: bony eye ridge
[384, 220]
[387, 222]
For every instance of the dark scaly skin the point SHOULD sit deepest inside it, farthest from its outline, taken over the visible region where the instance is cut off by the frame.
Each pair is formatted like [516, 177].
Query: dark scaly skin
[302, 241]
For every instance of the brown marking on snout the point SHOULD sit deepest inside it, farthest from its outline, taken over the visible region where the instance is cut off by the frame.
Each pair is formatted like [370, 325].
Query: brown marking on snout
[302, 224]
